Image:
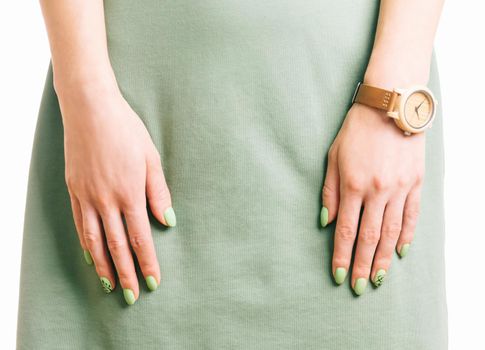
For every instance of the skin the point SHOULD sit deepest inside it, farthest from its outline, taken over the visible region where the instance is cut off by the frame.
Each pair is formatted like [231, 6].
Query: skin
[113, 175]
[109, 174]
[371, 164]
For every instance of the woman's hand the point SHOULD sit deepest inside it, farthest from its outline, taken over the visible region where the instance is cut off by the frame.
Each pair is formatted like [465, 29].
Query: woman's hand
[112, 167]
[371, 164]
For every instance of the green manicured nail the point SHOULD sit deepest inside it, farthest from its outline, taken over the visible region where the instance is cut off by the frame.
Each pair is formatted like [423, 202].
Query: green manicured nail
[87, 257]
[324, 216]
[360, 285]
[379, 277]
[129, 296]
[170, 218]
[404, 250]
[340, 274]
[151, 283]
[106, 284]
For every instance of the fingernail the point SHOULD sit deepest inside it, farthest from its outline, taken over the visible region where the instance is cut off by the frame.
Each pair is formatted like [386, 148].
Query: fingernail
[360, 285]
[379, 277]
[129, 296]
[87, 257]
[404, 250]
[340, 274]
[170, 218]
[151, 283]
[324, 216]
[106, 284]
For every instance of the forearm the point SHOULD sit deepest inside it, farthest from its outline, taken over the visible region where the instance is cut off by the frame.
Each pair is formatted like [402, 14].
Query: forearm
[403, 43]
[77, 38]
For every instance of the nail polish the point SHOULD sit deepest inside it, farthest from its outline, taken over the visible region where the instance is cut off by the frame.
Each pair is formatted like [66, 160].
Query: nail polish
[324, 216]
[360, 285]
[129, 296]
[340, 274]
[87, 257]
[151, 283]
[170, 217]
[106, 284]
[379, 277]
[404, 250]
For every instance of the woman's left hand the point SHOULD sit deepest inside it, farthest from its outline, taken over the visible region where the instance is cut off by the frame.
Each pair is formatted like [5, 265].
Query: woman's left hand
[372, 164]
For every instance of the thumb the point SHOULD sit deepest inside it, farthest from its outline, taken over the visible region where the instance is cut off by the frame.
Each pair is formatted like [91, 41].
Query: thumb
[158, 194]
[330, 191]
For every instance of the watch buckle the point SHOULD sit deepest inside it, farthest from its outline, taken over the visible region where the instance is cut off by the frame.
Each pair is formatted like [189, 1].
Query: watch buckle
[356, 92]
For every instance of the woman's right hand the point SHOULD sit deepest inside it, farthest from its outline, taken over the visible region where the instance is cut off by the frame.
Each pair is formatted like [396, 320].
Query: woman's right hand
[112, 167]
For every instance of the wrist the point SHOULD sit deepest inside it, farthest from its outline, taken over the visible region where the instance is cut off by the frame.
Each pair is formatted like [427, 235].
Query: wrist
[388, 70]
[85, 83]
[85, 92]
[90, 98]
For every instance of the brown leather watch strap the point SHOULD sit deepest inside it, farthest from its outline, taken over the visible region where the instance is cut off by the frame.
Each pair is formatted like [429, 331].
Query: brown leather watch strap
[375, 97]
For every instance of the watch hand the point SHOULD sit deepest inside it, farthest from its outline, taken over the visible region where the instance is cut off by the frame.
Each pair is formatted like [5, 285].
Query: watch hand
[420, 104]
[416, 109]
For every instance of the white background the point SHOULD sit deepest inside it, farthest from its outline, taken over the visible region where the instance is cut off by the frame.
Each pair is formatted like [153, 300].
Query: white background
[24, 56]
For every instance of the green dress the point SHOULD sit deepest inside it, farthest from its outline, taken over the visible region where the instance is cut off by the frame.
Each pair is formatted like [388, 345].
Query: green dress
[242, 100]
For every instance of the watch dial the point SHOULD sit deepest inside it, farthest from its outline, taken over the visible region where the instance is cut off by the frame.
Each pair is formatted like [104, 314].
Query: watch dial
[418, 109]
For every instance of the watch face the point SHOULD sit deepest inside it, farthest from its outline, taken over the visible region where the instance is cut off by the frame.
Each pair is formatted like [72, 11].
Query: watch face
[418, 109]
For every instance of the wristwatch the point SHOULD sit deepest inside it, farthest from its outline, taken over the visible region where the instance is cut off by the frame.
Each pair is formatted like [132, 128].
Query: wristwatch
[412, 109]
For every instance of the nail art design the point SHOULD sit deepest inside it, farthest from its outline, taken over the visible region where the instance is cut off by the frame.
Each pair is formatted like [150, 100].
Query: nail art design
[170, 217]
[129, 296]
[340, 274]
[360, 285]
[379, 277]
[324, 216]
[404, 250]
[87, 257]
[106, 284]
[151, 283]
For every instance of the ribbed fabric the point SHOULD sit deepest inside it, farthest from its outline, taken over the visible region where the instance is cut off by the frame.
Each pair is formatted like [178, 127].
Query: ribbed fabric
[243, 100]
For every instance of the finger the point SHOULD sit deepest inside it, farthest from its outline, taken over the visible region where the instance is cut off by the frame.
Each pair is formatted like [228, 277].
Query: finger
[158, 194]
[78, 222]
[391, 229]
[94, 238]
[120, 252]
[345, 234]
[410, 219]
[330, 191]
[369, 235]
[142, 243]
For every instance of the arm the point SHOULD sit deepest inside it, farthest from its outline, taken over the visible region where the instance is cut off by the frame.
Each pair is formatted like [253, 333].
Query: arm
[371, 164]
[404, 43]
[109, 174]
[77, 39]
